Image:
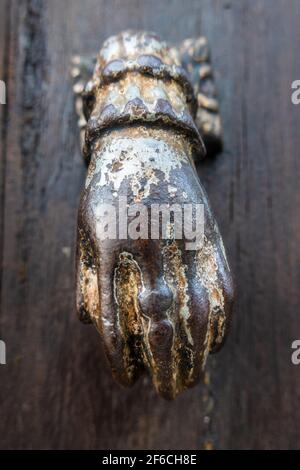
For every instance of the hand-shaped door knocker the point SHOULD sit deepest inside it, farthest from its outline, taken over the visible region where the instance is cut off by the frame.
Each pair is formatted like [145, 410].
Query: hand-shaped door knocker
[152, 274]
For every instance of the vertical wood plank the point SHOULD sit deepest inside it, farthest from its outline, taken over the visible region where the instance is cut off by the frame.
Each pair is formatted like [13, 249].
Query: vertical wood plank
[56, 389]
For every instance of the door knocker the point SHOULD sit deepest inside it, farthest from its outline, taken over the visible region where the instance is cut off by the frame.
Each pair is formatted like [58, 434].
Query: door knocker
[160, 302]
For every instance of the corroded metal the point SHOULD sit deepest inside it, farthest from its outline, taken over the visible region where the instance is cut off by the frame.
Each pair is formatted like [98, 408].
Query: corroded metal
[158, 306]
[195, 58]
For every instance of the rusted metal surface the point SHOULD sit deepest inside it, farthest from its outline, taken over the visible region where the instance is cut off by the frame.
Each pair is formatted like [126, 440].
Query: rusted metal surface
[195, 58]
[157, 306]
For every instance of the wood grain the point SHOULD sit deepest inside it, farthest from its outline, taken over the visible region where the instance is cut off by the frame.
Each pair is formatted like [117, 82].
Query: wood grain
[56, 390]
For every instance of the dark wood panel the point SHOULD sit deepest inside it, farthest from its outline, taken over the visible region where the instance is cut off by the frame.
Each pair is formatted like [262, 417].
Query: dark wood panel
[56, 389]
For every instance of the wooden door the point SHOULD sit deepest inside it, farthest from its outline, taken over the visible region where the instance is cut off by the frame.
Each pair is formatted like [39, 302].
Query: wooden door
[56, 389]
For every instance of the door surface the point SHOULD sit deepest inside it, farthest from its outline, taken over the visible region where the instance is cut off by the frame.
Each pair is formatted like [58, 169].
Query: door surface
[56, 388]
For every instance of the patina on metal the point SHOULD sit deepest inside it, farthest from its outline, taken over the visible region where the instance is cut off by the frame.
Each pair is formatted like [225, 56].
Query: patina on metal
[146, 115]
